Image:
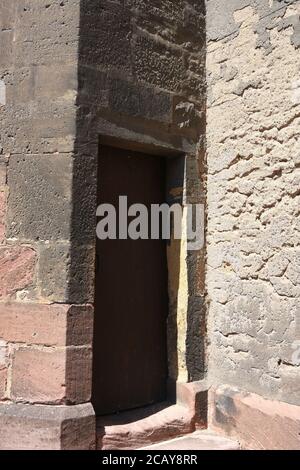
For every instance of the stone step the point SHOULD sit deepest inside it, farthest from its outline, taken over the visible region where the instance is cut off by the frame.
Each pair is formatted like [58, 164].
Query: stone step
[198, 440]
[138, 428]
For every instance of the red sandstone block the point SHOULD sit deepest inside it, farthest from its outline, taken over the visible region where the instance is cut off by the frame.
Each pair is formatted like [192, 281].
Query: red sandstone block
[33, 323]
[256, 422]
[46, 427]
[132, 430]
[80, 322]
[51, 375]
[17, 265]
[39, 375]
[194, 396]
[49, 325]
[78, 375]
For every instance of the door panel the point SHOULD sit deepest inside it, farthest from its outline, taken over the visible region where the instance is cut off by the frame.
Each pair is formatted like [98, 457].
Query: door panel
[131, 304]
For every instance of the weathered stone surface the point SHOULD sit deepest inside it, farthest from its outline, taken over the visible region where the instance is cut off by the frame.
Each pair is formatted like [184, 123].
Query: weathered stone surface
[27, 427]
[66, 272]
[256, 422]
[140, 101]
[2, 214]
[3, 382]
[6, 48]
[52, 375]
[74, 71]
[80, 321]
[152, 56]
[45, 127]
[33, 323]
[40, 197]
[222, 24]
[17, 269]
[122, 431]
[42, 82]
[2, 173]
[253, 197]
[44, 380]
[105, 35]
[194, 396]
[78, 375]
[40, 41]
[48, 325]
[158, 65]
[84, 200]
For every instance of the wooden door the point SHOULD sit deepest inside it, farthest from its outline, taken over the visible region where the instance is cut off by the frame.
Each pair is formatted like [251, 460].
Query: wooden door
[131, 303]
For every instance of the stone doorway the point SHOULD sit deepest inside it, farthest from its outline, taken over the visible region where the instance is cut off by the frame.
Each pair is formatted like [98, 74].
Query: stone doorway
[131, 301]
[175, 403]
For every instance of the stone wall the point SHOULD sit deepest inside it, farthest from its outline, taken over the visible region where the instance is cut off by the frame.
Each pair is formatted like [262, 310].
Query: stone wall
[73, 72]
[45, 341]
[142, 86]
[253, 151]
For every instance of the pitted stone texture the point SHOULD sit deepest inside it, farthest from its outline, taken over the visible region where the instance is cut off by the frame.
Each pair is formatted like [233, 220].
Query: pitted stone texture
[253, 199]
[258, 424]
[137, 60]
[66, 272]
[40, 41]
[27, 427]
[40, 197]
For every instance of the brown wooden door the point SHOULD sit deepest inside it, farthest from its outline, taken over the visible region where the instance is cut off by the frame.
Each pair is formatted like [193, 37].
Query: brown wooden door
[131, 304]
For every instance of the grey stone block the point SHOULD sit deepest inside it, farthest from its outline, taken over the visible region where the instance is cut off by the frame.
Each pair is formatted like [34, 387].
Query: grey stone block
[140, 101]
[66, 273]
[42, 41]
[105, 35]
[158, 65]
[40, 197]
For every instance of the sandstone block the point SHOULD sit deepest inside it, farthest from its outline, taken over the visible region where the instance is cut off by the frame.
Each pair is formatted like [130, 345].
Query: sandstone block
[48, 325]
[17, 269]
[43, 427]
[51, 375]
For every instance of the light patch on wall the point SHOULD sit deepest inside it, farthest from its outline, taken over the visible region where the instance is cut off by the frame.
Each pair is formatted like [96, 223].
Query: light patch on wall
[295, 91]
[2, 93]
[3, 352]
[292, 10]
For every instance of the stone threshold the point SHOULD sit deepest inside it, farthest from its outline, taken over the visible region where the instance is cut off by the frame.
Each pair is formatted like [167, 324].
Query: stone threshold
[198, 440]
[142, 427]
[184, 413]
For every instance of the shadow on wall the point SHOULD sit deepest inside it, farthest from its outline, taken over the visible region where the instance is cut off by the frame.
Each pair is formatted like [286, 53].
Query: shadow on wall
[132, 88]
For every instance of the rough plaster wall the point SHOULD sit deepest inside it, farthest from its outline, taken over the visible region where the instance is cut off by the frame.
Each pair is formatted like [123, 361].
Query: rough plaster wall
[253, 151]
